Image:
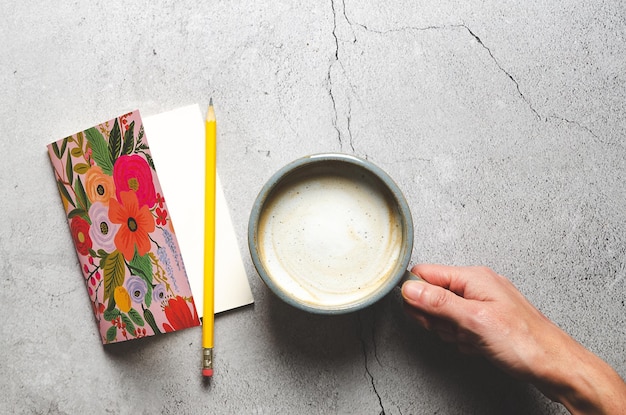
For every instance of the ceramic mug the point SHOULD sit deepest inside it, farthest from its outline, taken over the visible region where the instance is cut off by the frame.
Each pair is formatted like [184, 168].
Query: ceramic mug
[331, 233]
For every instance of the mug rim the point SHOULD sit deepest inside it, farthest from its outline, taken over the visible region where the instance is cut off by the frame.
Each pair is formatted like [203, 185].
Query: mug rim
[278, 177]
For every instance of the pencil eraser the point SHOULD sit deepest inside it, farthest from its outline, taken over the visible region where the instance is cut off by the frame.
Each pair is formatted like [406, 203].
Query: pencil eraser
[207, 372]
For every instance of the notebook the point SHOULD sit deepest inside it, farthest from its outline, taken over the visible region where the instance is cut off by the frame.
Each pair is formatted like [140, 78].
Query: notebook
[124, 237]
[177, 141]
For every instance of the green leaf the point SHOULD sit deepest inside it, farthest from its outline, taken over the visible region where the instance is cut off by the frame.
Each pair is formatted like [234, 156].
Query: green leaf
[136, 317]
[147, 314]
[111, 333]
[81, 139]
[64, 145]
[129, 139]
[114, 270]
[81, 168]
[148, 298]
[81, 196]
[64, 192]
[102, 253]
[77, 212]
[77, 152]
[109, 315]
[130, 327]
[115, 141]
[56, 150]
[140, 135]
[142, 266]
[150, 161]
[92, 253]
[100, 148]
[69, 170]
[111, 304]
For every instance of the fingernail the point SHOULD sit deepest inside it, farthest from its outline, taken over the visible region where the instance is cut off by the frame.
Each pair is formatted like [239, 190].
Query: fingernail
[412, 289]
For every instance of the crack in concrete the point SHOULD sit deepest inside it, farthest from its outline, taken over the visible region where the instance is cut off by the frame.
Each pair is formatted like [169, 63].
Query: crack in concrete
[349, 126]
[329, 78]
[345, 16]
[493, 58]
[366, 360]
[521, 94]
[342, 132]
[332, 99]
[464, 26]
[474, 35]
[581, 127]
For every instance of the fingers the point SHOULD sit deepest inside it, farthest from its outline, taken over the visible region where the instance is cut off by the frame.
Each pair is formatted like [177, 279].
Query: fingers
[474, 282]
[446, 331]
[434, 301]
[449, 277]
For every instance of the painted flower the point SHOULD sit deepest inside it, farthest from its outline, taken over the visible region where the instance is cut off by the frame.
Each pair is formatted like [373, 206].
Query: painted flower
[137, 288]
[99, 186]
[135, 224]
[122, 299]
[98, 308]
[179, 314]
[158, 293]
[161, 217]
[103, 230]
[79, 228]
[133, 173]
[160, 200]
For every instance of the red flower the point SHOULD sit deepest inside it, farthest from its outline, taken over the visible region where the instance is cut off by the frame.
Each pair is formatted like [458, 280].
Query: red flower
[133, 173]
[161, 217]
[160, 200]
[179, 314]
[98, 308]
[136, 223]
[79, 228]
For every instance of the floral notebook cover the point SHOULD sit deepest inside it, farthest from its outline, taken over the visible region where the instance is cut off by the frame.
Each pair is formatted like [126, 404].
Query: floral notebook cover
[128, 252]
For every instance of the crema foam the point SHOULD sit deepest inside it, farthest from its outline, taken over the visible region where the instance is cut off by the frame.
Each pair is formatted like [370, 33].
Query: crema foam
[330, 235]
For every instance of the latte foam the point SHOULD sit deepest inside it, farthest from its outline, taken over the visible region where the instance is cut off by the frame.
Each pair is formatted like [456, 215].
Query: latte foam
[330, 235]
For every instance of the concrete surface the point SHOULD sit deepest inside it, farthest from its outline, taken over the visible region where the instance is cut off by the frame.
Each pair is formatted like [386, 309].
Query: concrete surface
[503, 122]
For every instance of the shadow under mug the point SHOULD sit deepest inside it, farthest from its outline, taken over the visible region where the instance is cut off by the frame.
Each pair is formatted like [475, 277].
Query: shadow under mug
[331, 233]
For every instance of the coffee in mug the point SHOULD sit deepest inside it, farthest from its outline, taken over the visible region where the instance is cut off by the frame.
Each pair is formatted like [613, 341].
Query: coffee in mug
[330, 233]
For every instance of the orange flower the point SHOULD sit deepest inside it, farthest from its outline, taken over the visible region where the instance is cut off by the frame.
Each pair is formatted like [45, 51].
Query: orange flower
[136, 223]
[99, 186]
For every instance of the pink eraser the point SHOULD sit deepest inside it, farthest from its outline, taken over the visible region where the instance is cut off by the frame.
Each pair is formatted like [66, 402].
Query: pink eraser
[207, 372]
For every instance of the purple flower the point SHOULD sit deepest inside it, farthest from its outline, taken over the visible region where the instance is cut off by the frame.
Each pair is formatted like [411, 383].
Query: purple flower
[158, 293]
[102, 231]
[137, 288]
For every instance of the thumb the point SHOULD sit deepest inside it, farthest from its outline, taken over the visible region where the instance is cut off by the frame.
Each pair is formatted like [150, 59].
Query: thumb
[433, 300]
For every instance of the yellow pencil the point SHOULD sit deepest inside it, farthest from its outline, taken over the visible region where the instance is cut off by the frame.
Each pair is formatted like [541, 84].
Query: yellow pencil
[209, 242]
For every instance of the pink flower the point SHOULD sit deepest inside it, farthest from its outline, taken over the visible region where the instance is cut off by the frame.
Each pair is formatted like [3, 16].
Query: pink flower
[134, 173]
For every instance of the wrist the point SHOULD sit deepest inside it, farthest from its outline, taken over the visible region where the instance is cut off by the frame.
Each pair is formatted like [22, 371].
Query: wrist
[580, 380]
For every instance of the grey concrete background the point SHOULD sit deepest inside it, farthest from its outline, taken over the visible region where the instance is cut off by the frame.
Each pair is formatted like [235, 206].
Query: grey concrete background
[503, 122]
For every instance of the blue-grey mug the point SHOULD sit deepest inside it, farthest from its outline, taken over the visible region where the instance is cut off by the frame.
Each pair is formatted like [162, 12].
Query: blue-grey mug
[331, 233]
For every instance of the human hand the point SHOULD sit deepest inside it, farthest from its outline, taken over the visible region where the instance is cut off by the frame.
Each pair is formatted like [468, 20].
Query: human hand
[484, 313]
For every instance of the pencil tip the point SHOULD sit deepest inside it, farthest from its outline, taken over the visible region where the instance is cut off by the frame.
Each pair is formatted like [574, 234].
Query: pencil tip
[211, 102]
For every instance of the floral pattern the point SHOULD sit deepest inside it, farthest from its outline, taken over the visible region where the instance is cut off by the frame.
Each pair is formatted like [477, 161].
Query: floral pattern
[122, 231]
